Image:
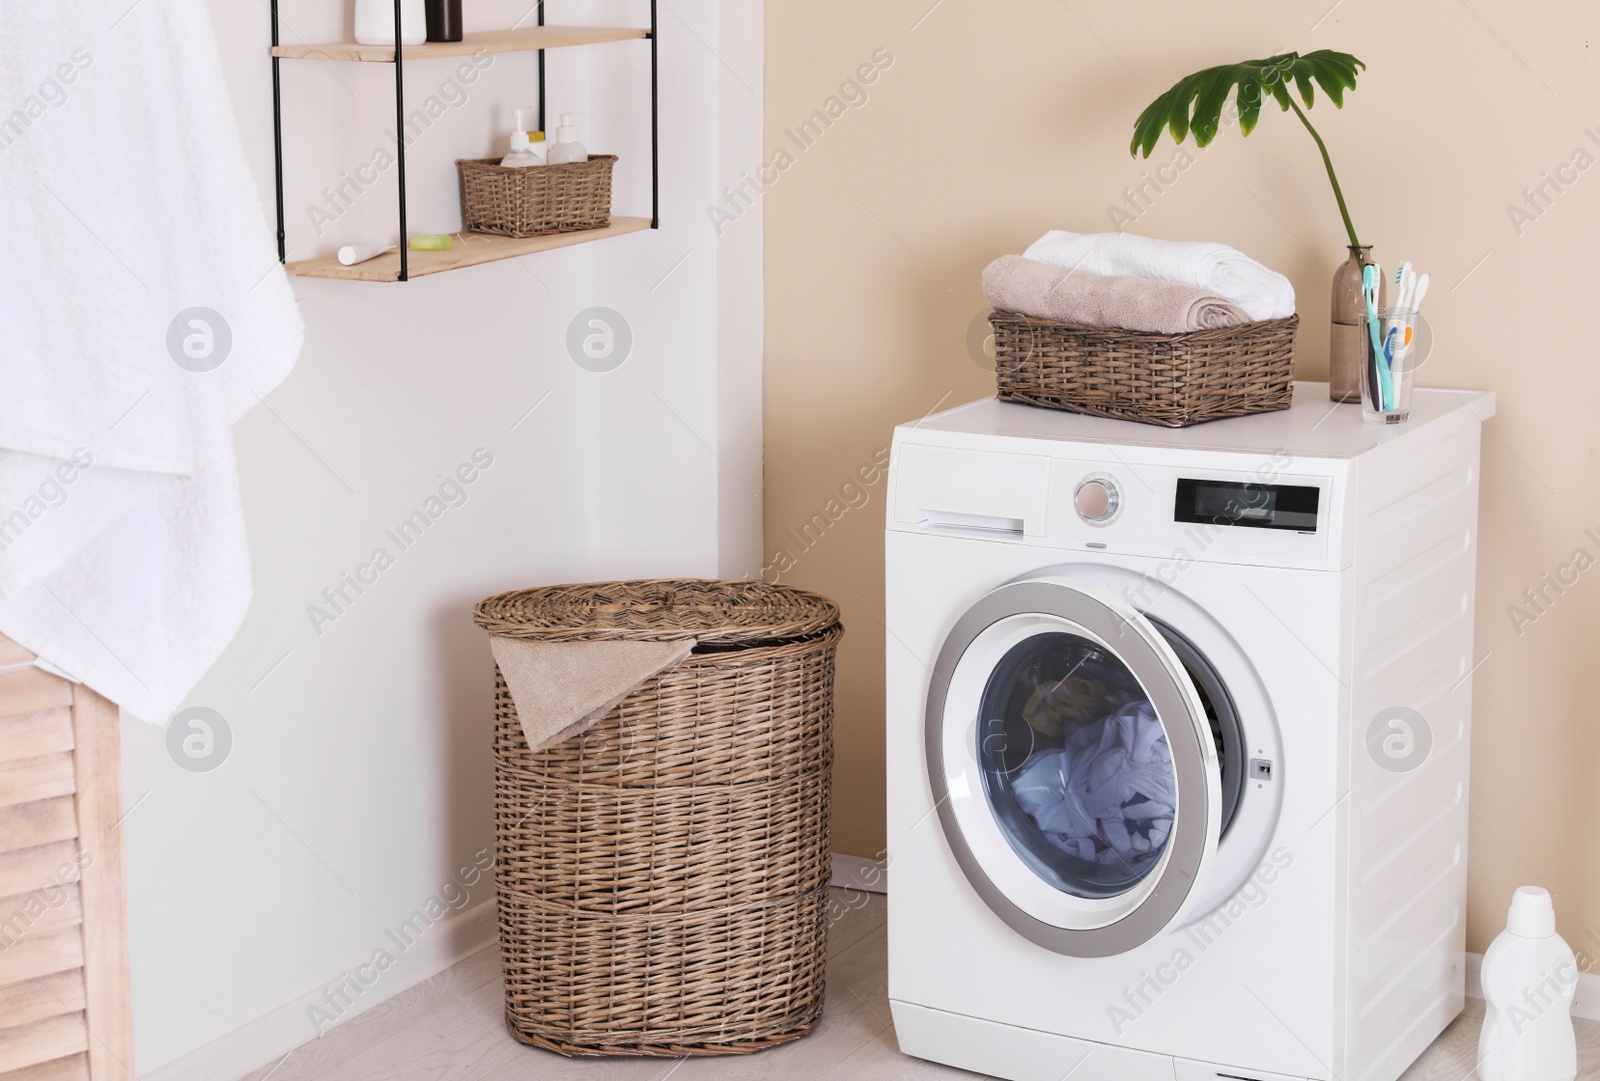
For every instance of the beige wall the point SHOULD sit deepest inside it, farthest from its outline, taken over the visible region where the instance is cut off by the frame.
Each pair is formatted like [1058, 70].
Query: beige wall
[996, 121]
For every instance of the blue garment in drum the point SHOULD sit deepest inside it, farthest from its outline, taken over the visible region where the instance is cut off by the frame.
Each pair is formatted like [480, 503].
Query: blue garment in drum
[1109, 793]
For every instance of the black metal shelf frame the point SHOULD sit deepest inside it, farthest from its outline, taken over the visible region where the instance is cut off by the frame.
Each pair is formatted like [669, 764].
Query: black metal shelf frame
[400, 127]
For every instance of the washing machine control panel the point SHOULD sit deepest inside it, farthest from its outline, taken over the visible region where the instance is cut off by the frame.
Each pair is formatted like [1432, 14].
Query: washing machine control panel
[1181, 512]
[1178, 510]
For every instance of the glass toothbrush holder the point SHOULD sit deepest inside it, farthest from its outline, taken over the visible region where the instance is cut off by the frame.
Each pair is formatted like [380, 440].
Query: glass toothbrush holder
[1389, 371]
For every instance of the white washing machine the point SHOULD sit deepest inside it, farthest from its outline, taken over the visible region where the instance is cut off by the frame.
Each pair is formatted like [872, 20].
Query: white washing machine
[1178, 728]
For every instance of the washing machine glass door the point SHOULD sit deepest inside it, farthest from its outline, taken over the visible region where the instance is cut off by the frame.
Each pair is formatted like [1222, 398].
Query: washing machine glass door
[1073, 767]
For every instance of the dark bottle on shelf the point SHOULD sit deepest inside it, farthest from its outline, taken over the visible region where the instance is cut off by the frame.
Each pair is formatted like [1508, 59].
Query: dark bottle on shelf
[444, 20]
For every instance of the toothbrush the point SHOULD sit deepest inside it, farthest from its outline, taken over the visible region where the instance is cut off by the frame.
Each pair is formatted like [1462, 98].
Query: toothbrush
[1371, 276]
[1398, 300]
[1419, 289]
[1399, 326]
[1402, 278]
[1397, 290]
[1413, 301]
[1371, 373]
[1396, 355]
[1408, 292]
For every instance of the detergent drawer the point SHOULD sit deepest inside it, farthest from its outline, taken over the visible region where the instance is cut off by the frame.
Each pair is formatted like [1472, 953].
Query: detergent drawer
[970, 491]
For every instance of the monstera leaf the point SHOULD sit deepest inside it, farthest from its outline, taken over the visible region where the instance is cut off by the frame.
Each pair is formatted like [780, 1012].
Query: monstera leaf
[1195, 103]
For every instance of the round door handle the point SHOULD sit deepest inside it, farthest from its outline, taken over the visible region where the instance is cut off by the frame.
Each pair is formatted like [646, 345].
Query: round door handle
[1097, 499]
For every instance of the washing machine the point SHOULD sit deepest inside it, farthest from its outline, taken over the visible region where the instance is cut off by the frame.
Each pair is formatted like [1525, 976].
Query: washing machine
[1177, 736]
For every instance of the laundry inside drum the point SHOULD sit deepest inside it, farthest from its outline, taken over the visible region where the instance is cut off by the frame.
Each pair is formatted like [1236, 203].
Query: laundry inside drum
[1076, 765]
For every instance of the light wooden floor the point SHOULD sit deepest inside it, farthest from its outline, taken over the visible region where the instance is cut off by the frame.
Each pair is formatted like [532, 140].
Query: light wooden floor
[450, 1028]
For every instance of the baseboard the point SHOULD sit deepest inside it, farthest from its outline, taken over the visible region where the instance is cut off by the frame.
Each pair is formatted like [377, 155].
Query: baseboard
[1586, 1003]
[275, 1034]
[859, 873]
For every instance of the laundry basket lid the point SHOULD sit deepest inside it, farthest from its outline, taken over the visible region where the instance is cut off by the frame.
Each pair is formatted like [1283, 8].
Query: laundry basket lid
[729, 613]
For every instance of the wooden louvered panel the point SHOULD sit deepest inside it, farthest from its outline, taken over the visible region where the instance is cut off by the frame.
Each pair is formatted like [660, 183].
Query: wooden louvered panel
[26, 735]
[42, 1041]
[49, 909]
[41, 955]
[71, 1068]
[37, 778]
[31, 690]
[64, 968]
[38, 867]
[47, 996]
[103, 888]
[28, 824]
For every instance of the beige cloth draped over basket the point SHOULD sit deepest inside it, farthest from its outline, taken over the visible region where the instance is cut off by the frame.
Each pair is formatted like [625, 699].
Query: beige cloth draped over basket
[663, 758]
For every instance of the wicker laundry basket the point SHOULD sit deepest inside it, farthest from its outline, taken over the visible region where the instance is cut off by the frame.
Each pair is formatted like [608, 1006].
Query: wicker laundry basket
[1173, 380]
[663, 877]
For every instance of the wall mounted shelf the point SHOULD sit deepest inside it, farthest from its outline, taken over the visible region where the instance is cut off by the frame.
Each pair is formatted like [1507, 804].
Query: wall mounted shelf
[470, 249]
[527, 39]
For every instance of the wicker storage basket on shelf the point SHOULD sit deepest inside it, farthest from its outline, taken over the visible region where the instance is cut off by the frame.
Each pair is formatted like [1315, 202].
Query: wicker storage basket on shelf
[536, 200]
[1173, 380]
[663, 877]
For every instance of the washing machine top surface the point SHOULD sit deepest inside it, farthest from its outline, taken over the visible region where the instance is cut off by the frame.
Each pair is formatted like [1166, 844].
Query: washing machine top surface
[1312, 427]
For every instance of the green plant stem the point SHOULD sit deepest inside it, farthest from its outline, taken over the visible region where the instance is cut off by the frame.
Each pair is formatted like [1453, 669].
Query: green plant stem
[1344, 211]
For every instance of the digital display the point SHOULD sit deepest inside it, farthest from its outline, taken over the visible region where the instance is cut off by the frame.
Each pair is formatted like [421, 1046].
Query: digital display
[1247, 503]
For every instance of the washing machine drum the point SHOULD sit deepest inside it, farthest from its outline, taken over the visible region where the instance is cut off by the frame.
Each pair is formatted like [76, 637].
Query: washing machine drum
[1076, 752]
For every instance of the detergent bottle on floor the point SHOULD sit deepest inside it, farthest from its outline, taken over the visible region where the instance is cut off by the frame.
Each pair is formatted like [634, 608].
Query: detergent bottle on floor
[1529, 977]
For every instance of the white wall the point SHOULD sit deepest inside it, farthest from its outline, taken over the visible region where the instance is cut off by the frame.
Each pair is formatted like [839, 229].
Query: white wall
[359, 780]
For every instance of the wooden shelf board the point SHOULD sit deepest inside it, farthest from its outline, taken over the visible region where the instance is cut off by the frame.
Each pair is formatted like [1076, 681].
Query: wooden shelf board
[470, 249]
[487, 41]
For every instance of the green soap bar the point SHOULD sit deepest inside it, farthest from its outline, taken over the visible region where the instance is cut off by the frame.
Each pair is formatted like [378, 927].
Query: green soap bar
[432, 242]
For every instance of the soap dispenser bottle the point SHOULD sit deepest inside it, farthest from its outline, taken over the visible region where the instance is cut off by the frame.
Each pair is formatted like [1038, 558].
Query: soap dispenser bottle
[567, 149]
[524, 150]
[527, 147]
[1529, 977]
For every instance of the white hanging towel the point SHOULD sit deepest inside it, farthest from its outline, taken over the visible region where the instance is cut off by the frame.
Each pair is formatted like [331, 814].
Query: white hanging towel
[144, 313]
[1231, 274]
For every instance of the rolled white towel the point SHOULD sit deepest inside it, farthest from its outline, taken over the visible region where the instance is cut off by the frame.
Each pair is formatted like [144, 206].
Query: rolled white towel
[1014, 284]
[1225, 271]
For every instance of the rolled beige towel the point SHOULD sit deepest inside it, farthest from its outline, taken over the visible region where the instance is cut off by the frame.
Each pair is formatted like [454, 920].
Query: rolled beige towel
[1014, 284]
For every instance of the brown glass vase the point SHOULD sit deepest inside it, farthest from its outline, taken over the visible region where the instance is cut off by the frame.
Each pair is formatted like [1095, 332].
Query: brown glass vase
[1347, 332]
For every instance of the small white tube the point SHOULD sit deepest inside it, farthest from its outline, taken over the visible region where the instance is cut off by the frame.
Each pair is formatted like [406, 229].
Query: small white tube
[351, 254]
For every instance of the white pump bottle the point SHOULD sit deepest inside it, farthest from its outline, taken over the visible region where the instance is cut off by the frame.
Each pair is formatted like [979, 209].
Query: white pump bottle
[527, 145]
[567, 149]
[1529, 977]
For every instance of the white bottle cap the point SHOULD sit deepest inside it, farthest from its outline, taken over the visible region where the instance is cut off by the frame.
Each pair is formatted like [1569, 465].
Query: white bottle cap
[1532, 914]
[519, 141]
[523, 117]
[568, 131]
